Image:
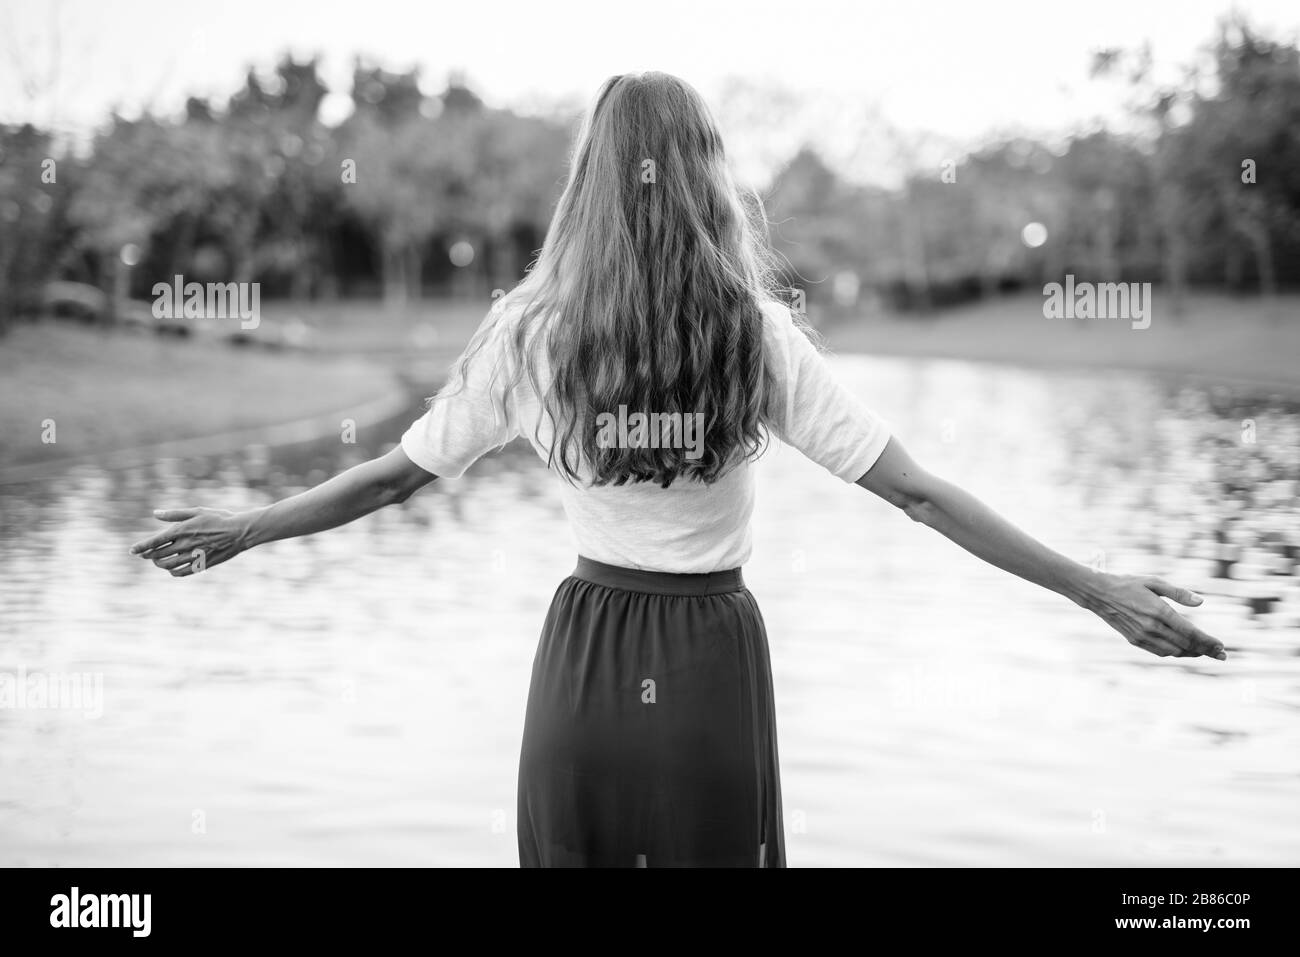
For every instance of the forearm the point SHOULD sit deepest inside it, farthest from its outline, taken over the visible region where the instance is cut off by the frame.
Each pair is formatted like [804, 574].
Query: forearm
[1129, 604]
[360, 490]
[965, 520]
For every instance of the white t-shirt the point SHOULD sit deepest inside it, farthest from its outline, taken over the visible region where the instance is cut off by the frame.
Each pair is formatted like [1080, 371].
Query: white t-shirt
[689, 526]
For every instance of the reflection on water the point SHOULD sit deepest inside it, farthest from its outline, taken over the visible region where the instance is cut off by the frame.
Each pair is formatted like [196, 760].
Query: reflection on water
[358, 697]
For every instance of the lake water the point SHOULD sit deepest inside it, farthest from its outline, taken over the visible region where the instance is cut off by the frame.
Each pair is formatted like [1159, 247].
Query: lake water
[358, 697]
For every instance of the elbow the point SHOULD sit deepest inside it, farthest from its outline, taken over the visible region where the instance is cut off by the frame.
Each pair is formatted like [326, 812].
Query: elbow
[392, 492]
[918, 507]
[396, 494]
[394, 478]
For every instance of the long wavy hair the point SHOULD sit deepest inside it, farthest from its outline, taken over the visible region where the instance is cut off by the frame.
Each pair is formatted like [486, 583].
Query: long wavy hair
[647, 292]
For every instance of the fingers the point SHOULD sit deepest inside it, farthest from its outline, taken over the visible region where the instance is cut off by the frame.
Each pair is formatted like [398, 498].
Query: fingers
[1177, 629]
[167, 534]
[157, 540]
[175, 514]
[1185, 649]
[1158, 646]
[181, 544]
[181, 566]
[1184, 596]
[1181, 631]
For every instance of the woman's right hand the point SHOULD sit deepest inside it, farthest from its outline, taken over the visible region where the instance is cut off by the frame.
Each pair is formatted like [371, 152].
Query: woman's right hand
[197, 539]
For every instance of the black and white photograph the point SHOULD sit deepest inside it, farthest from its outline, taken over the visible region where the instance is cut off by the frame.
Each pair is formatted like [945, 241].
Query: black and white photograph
[831, 435]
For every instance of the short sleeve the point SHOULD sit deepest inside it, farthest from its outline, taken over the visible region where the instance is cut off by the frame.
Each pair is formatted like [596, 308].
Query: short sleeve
[813, 411]
[470, 418]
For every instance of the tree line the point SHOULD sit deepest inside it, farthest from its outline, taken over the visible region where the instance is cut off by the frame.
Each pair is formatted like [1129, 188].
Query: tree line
[415, 193]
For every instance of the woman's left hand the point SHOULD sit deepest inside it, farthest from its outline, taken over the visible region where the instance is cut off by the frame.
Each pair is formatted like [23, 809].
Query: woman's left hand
[198, 539]
[1132, 606]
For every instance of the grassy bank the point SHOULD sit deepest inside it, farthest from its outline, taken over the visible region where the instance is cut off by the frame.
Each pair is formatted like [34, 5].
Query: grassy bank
[109, 391]
[1217, 337]
[112, 390]
[432, 330]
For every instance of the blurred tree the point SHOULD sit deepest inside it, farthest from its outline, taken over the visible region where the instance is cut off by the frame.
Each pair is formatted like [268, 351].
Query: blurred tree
[388, 97]
[1207, 186]
[820, 223]
[28, 212]
[1252, 119]
[1214, 217]
[141, 175]
[291, 200]
[395, 162]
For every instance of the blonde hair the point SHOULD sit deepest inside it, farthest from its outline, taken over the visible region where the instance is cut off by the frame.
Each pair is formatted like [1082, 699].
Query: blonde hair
[647, 293]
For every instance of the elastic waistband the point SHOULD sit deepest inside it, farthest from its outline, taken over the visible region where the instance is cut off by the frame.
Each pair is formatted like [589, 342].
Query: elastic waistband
[659, 583]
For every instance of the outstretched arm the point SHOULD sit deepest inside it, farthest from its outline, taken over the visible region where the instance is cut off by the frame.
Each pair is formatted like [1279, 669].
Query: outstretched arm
[1128, 604]
[199, 538]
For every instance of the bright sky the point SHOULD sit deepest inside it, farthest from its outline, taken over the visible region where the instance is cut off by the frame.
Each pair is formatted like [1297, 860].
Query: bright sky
[961, 69]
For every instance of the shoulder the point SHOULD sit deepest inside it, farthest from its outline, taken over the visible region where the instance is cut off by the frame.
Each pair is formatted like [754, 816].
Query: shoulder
[785, 333]
[777, 319]
[505, 316]
[498, 336]
[775, 313]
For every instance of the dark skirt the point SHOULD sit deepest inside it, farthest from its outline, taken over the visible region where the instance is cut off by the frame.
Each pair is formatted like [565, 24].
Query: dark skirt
[650, 738]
